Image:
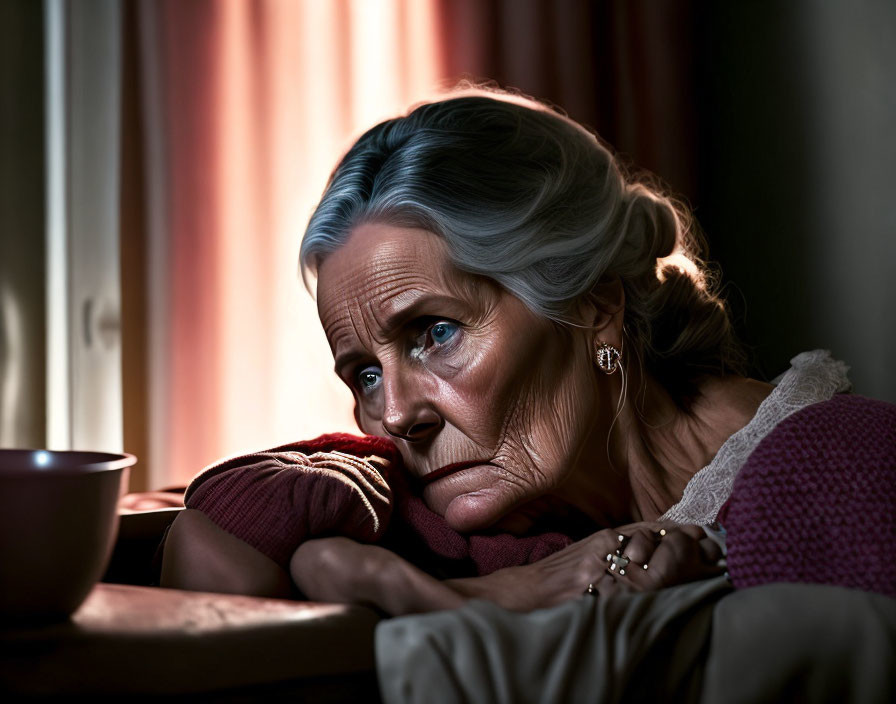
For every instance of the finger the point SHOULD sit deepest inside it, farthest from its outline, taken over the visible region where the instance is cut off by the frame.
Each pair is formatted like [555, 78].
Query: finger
[691, 546]
[609, 543]
[636, 548]
[633, 575]
[672, 560]
[678, 543]
[617, 561]
[673, 554]
[710, 551]
[640, 546]
[609, 584]
[677, 559]
[628, 572]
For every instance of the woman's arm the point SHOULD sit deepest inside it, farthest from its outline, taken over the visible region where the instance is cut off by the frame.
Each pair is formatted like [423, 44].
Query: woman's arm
[681, 553]
[200, 556]
[339, 569]
[342, 570]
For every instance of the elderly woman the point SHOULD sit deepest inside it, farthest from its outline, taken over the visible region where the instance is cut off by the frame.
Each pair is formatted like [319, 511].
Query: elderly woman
[535, 337]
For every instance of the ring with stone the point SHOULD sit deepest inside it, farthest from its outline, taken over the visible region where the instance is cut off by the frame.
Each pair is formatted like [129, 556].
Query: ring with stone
[618, 562]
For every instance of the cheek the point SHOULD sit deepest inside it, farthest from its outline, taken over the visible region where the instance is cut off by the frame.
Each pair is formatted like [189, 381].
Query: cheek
[548, 419]
[473, 394]
[533, 439]
[527, 398]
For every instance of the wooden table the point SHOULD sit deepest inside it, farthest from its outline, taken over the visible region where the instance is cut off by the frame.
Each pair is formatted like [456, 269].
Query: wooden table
[129, 640]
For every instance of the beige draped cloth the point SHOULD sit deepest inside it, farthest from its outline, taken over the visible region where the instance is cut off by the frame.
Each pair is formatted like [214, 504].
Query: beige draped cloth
[698, 642]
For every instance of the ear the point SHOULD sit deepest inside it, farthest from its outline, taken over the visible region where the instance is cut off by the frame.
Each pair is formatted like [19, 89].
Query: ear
[603, 311]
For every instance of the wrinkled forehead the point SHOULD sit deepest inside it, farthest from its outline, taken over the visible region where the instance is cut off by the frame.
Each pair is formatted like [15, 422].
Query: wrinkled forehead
[380, 270]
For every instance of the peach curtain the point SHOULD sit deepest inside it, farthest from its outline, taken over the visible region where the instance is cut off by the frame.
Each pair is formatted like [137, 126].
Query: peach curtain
[246, 107]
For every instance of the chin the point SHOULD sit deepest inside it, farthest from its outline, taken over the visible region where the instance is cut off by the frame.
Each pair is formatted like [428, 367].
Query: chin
[472, 513]
[544, 514]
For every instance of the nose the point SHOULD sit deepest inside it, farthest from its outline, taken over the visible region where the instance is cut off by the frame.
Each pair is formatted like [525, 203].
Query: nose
[408, 412]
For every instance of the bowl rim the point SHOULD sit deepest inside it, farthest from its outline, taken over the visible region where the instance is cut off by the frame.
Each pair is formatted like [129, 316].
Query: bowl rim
[100, 462]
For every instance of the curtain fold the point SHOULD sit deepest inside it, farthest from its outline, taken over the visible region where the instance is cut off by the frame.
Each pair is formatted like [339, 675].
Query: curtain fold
[624, 69]
[246, 108]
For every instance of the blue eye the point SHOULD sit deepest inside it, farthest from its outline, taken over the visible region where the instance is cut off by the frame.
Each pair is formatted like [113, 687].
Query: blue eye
[442, 331]
[369, 378]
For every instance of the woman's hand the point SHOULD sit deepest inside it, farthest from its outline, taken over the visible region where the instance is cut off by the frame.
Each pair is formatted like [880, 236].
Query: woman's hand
[673, 553]
[656, 555]
[342, 570]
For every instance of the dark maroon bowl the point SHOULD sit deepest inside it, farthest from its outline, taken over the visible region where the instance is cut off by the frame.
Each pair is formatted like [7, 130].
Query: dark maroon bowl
[58, 521]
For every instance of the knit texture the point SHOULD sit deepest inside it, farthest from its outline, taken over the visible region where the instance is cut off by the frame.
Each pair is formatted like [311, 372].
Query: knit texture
[816, 500]
[276, 499]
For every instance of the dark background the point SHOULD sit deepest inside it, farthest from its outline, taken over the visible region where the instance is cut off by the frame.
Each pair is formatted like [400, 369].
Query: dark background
[774, 120]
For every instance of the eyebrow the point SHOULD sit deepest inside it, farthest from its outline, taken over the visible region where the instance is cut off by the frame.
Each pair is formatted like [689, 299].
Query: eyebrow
[399, 318]
[396, 320]
[345, 360]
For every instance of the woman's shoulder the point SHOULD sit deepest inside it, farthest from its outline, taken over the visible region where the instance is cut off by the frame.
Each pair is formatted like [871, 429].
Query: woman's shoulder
[814, 378]
[821, 483]
[846, 406]
[842, 416]
[845, 428]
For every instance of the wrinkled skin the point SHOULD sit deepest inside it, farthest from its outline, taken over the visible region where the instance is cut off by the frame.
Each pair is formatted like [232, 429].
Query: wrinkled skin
[495, 383]
[454, 369]
[341, 570]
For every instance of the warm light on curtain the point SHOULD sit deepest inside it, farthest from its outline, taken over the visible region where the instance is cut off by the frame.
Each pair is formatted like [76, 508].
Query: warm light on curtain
[249, 104]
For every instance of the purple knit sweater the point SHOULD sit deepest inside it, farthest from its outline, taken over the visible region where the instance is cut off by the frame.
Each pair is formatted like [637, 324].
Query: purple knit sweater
[816, 500]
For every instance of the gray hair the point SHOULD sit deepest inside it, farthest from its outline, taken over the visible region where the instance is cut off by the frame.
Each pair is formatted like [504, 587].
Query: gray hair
[530, 199]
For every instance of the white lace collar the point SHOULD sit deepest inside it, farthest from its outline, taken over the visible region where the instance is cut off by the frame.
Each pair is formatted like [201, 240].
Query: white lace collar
[813, 377]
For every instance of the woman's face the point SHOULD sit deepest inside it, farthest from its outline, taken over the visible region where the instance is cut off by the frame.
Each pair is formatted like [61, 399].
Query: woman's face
[489, 404]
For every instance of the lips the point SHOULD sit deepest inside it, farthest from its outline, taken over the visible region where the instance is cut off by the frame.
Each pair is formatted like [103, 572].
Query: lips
[437, 474]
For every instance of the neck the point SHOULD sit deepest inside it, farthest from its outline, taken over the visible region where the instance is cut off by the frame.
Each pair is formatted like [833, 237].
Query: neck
[637, 466]
[664, 446]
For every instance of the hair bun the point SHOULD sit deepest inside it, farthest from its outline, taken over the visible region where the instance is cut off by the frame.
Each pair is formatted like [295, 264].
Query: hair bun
[651, 227]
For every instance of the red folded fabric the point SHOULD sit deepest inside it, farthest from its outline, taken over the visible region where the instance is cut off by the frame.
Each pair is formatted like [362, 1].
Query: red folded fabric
[276, 499]
[340, 484]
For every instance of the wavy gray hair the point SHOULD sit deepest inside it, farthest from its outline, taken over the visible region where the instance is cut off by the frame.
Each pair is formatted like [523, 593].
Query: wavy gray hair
[529, 198]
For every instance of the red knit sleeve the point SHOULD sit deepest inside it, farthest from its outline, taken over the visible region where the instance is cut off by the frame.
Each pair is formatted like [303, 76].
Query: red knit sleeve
[276, 499]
